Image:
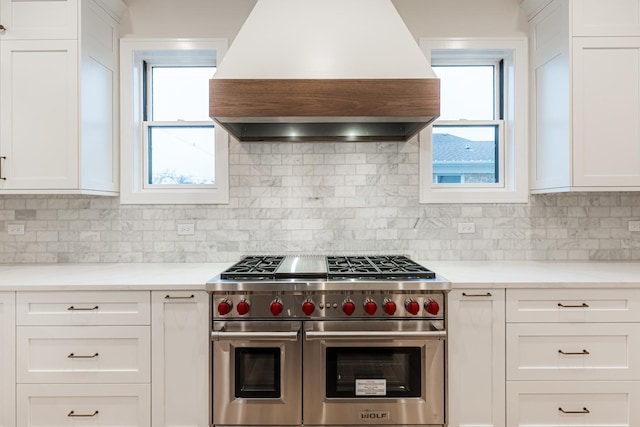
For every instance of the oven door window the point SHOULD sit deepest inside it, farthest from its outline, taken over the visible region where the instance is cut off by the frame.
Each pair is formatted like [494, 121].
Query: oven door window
[366, 372]
[257, 372]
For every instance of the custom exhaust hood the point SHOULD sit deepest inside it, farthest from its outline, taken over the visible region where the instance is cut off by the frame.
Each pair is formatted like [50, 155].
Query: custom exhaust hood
[324, 70]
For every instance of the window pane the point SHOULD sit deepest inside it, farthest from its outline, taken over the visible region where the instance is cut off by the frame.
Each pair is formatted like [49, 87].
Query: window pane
[465, 154]
[180, 93]
[466, 92]
[181, 155]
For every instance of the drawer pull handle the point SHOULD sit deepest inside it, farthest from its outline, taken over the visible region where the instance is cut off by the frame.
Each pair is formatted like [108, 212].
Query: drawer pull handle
[583, 305]
[569, 353]
[170, 297]
[73, 414]
[2, 29]
[583, 411]
[72, 308]
[488, 294]
[75, 356]
[2, 157]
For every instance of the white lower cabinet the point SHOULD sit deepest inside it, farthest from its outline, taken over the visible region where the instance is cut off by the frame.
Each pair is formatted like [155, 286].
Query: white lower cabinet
[83, 354]
[7, 359]
[84, 359]
[180, 359]
[573, 357]
[57, 405]
[476, 357]
[573, 403]
[573, 351]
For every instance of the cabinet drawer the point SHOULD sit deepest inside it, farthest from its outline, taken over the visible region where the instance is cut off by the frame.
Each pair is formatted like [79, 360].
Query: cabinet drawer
[57, 405]
[83, 308]
[573, 305]
[573, 351]
[541, 403]
[83, 354]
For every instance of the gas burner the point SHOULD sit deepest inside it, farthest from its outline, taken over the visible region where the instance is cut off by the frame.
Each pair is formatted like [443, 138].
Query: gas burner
[333, 268]
[386, 267]
[346, 267]
[254, 268]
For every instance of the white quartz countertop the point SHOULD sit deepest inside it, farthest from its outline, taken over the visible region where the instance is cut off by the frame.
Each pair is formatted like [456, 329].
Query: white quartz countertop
[193, 276]
[524, 274]
[144, 276]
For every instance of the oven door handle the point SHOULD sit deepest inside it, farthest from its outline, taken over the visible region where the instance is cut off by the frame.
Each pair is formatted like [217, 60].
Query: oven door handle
[262, 336]
[367, 335]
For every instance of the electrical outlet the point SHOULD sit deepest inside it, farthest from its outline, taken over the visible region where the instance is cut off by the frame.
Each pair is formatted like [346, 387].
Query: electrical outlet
[186, 229]
[466, 227]
[634, 225]
[15, 229]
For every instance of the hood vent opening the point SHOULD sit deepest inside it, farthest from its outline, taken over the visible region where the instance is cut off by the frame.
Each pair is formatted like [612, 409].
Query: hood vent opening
[324, 70]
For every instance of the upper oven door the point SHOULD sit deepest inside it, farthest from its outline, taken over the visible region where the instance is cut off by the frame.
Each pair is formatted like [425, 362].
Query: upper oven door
[256, 373]
[374, 372]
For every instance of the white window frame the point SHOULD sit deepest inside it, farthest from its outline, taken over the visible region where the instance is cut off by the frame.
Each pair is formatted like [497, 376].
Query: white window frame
[513, 187]
[133, 54]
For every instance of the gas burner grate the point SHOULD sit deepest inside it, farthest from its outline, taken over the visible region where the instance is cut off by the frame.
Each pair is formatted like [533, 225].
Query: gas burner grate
[254, 268]
[376, 267]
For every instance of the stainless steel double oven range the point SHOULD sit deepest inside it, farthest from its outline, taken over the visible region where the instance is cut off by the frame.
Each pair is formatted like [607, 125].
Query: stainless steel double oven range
[328, 341]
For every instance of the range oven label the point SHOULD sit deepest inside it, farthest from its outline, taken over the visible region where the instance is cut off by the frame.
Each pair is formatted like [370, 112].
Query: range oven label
[374, 415]
[370, 387]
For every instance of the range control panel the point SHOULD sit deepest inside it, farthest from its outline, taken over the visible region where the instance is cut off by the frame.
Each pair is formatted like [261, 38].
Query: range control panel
[329, 305]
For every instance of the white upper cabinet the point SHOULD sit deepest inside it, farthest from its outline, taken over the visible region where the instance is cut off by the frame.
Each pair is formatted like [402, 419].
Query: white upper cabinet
[585, 97]
[41, 19]
[59, 91]
[620, 18]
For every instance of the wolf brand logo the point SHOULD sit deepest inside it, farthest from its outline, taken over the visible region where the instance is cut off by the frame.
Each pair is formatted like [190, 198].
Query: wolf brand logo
[374, 415]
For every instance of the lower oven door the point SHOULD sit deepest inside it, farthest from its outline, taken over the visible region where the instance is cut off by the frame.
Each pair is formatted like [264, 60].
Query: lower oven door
[256, 373]
[374, 372]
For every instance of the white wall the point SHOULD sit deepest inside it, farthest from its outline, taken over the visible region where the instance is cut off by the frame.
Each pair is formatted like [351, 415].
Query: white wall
[186, 18]
[462, 18]
[223, 18]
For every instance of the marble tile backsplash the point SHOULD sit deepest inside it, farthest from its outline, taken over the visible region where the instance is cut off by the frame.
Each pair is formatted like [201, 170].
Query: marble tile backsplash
[320, 198]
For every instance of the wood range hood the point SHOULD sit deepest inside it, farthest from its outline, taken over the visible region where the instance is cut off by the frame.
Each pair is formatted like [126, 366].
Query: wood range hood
[324, 70]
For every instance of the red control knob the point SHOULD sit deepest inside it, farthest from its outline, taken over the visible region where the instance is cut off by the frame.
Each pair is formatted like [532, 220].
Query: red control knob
[308, 307]
[412, 306]
[389, 307]
[276, 307]
[370, 307]
[224, 307]
[243, 307]
[348, 307]
[432, 307]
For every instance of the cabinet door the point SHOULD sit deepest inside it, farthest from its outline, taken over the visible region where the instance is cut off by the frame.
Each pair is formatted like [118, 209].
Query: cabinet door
[606, 18]
[180, 358]
[99, 123]
[39, 19]
[476, 344]
[550, 107]
[7, 360]
[38, 125]
[606, 107]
